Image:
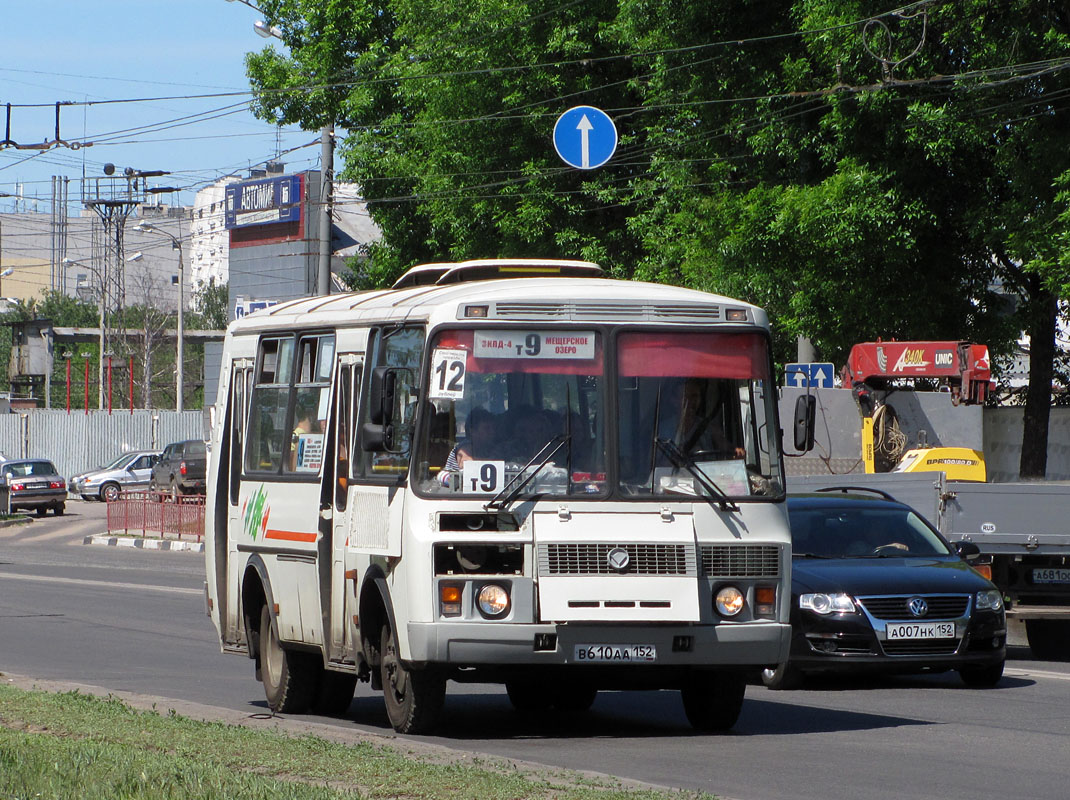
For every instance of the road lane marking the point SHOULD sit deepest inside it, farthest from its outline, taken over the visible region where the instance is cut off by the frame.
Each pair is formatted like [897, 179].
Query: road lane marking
[1037, 673]
[101, 584]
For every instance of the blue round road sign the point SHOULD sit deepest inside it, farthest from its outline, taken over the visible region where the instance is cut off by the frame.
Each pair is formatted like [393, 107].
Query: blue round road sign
[585, 137]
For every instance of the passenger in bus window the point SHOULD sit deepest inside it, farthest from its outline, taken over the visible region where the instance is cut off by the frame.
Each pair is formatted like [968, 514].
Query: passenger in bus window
[532, 428]
[480, 432]
[305, 414]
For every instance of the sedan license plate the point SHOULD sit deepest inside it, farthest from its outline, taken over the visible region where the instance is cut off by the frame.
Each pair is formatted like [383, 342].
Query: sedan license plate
[1051, 575]
[921, 630]
[616, 653]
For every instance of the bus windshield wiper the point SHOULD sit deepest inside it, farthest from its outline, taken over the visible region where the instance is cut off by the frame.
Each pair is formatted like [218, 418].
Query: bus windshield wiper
[680, 459]
[514, 487]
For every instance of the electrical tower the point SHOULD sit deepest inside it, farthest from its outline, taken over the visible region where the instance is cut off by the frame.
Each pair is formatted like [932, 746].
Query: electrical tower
[113, 197]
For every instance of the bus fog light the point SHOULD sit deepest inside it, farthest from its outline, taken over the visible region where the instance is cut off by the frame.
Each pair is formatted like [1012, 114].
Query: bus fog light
[493, 600]
[729, 601]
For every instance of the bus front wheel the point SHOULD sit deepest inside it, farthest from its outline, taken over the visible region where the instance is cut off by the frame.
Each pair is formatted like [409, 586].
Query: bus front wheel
[414, 697]
[713, 700]
[289, 677]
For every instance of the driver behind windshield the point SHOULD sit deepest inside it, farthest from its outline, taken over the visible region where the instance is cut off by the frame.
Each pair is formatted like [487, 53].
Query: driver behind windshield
[692, 418]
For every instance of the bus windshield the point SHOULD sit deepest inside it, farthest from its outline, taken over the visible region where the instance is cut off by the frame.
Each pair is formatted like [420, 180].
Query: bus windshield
[515, 409]
[524, 411]
[695, 413]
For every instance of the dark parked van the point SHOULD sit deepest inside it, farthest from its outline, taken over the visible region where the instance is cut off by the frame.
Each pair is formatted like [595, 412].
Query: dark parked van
[181, 469]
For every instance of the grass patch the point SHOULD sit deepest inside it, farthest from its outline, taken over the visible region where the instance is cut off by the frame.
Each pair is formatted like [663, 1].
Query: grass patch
[74, 745]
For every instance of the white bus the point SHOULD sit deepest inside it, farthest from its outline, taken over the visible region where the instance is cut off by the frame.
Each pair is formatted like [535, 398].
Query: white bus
[514, 472]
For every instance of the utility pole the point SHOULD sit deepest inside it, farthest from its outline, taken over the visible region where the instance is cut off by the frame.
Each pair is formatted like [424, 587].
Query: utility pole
[323, 282]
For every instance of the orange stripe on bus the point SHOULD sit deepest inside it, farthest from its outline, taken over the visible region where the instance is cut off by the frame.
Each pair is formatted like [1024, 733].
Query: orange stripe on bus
[290, 536]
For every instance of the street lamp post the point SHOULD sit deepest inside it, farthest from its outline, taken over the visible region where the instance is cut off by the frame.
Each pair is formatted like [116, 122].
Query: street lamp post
[180, 334]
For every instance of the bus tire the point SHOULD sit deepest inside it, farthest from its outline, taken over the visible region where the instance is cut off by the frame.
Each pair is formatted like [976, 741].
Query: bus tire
[574, 698]
[335, 693]
[712, 700]
[526, 696]
[1049, 639]
[414, 697]
[289, 677]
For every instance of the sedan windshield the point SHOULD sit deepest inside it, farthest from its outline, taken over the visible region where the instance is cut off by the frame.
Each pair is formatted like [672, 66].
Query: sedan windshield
[893, 532]
[22, 469]
[119, 462]
[518, 410]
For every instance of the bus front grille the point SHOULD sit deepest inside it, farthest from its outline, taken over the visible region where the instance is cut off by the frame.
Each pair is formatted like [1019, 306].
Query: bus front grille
[594, 558]
[740, 561]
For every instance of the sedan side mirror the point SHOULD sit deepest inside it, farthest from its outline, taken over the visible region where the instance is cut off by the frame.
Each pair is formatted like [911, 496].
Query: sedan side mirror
[967, 550]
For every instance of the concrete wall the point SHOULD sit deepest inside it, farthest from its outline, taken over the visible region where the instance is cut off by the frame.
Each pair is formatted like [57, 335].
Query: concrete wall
[995, 431]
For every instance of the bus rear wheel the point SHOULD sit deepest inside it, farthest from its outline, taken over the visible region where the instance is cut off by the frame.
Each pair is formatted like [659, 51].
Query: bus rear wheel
[713, 700]
[414, 697]
[289, 677]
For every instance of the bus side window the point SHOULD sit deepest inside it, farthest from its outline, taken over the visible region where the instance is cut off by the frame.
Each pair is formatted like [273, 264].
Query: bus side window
[401, 348]
[267, 432]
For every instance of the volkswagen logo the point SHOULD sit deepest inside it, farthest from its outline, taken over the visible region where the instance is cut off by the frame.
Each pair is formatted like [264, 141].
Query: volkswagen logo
[618, 559]
[918, 607]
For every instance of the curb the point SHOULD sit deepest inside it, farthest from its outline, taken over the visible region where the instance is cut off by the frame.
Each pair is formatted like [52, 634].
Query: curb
[144, 544]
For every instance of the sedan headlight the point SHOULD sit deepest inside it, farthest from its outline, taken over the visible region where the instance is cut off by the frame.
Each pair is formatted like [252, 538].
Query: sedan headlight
[827, 603]
[990, 599]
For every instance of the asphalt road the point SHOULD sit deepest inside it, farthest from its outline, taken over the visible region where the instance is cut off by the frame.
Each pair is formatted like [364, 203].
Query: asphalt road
[133, 620]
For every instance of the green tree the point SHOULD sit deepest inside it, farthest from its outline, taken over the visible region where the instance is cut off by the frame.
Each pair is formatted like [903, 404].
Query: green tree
[211, 305]
[858, 171]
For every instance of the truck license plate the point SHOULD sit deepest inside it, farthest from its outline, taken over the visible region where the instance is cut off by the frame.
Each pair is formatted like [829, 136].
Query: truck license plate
[921, 630]
[1051, 575]
[617, 653]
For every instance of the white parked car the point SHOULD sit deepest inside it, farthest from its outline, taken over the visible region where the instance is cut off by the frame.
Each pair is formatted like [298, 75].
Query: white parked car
[128, 471]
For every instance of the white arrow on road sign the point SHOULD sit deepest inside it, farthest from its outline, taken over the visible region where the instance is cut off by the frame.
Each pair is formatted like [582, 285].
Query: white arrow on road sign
[585, 127]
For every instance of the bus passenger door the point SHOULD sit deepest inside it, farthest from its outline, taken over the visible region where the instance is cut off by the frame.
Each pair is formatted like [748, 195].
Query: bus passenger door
[228, 486]
[341, 598]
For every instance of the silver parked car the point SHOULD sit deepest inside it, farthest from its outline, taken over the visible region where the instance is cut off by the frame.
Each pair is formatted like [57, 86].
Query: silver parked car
[33, 483]
[128, 471]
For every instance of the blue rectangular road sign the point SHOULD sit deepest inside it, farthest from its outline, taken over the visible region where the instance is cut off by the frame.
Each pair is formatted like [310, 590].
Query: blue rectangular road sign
[817, 376]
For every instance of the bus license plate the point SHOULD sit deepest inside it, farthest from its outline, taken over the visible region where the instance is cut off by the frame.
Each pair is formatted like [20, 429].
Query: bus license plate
[1051, 575]
[921, 630]
[616, 653]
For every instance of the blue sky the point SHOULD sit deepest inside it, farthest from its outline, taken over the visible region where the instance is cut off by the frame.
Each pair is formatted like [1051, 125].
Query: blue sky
[159, 51]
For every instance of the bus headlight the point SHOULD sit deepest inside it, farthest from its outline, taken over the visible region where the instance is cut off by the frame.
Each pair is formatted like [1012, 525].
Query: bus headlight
[729, 601]
[492, 600]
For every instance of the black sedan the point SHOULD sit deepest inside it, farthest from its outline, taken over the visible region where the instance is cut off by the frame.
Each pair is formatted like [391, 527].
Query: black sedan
[875, 587]
[33, 483]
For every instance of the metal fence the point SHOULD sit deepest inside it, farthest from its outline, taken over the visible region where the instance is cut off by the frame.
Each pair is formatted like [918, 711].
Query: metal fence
[79, 441]
[153, 513]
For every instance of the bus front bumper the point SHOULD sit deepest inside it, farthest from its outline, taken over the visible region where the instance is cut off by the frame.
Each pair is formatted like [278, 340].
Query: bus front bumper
[474, 644]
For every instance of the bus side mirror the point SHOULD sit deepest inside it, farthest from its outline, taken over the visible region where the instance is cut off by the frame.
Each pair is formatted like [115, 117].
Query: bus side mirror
[805, 421]
[375, 438]
[382, 395]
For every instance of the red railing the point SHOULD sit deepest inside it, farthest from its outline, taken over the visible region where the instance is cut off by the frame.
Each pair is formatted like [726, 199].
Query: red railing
[156, 514]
